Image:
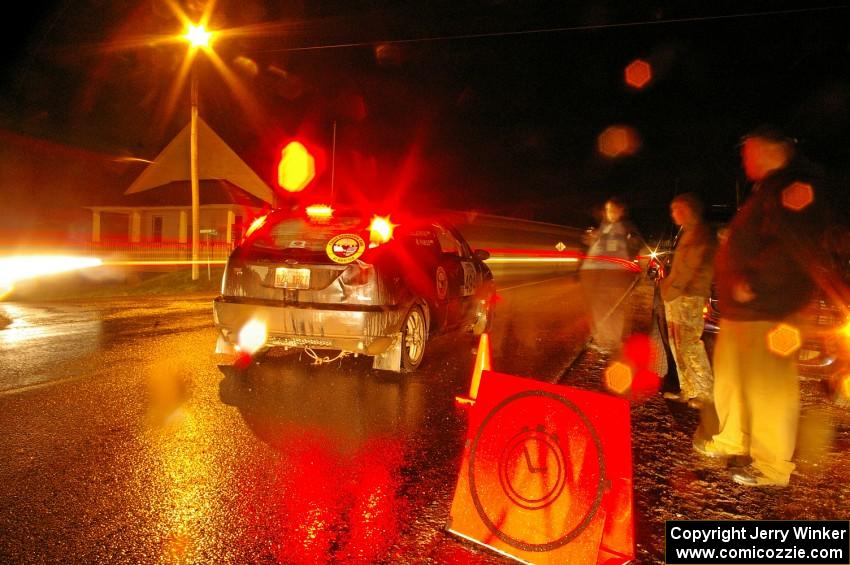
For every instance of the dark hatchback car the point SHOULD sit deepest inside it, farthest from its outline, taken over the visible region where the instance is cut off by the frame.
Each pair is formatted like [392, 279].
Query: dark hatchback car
[351, 283]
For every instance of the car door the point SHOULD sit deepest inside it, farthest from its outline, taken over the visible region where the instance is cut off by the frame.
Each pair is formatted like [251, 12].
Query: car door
[457, 268]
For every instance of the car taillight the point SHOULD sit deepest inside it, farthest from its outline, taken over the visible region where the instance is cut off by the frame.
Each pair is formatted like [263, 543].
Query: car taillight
[380, 230]
[356, 274]
[320, 213]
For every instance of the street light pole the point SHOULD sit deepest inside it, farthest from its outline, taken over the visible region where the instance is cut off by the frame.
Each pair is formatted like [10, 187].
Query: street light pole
[193, 172]
[199, 38]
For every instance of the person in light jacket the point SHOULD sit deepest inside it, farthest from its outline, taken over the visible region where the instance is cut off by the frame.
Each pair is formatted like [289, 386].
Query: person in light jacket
[607, 274]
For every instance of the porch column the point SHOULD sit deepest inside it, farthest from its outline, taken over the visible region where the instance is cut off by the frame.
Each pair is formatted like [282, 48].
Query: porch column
[135, 227]
[231, 219]
[95, 226]
[183, 229]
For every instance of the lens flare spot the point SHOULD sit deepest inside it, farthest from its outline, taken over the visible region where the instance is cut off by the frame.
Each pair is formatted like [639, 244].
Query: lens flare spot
[618, 377]
[784, 340]
[381, 230]
[296, 168]
[638, 73]
[797, 196]
[618, 141]
[253, 336]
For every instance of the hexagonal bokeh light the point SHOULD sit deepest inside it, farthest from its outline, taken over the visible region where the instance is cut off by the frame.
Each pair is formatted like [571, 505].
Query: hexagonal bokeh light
[618, 377]
[798, 196]
[638, 73]
[618, 141]
[296, 168]
[784, 340]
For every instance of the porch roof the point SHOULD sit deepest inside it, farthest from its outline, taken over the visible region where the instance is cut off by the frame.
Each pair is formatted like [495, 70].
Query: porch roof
[216, 161]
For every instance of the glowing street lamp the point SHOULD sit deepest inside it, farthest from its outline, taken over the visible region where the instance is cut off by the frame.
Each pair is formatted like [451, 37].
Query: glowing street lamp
[199, 38]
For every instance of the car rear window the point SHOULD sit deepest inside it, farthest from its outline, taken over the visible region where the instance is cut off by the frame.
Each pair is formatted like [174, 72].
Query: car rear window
[300, 233]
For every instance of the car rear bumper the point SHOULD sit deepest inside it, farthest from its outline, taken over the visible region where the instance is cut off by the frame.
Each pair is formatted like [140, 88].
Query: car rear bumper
[369, 330]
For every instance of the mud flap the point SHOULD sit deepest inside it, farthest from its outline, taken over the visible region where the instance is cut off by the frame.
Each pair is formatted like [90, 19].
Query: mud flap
[223, 346]
[390, 360]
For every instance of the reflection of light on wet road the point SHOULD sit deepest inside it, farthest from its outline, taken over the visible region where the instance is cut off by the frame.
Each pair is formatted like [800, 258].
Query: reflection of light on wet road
[33, 323]
[182, 490]
[40, 341]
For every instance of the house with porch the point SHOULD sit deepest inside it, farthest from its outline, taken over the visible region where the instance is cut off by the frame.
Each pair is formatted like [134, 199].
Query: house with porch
[152, 219]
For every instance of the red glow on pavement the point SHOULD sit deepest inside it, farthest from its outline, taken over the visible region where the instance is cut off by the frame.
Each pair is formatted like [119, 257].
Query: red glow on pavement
[798, 196]
[310, 507]
[639, 353]
[618, 141]
[784, 340]
[331, 508]
[375, 511]
[638, 73]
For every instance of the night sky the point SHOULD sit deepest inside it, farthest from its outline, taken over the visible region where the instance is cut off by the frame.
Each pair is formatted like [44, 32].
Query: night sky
[440, 103]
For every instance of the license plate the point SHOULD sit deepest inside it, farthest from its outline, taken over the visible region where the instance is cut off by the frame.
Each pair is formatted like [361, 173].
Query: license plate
[285, 277]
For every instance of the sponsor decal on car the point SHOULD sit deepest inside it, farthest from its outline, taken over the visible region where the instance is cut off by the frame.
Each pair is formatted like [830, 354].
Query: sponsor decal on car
[471, 279]
[345, 248]
[442, 283]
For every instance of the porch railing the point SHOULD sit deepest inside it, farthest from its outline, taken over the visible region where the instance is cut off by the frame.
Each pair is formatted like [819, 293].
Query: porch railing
[156, 251]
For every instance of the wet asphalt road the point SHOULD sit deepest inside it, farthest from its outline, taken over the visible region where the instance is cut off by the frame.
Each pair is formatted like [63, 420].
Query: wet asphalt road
[124, 441]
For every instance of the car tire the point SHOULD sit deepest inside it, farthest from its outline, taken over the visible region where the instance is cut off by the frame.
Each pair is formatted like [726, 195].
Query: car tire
[414, 335]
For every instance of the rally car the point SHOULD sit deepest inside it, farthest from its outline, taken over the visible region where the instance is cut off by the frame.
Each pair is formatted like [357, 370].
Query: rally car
[350, 282]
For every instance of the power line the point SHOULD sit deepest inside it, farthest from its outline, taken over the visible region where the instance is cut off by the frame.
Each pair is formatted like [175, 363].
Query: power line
[541, 31]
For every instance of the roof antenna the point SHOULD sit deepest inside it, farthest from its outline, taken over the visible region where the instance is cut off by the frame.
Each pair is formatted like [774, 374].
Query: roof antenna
[333, 162]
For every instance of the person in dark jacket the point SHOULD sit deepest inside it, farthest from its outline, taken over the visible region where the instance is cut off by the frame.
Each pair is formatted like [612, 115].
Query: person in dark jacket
[607, 274]
[763, 276]
[685, 291]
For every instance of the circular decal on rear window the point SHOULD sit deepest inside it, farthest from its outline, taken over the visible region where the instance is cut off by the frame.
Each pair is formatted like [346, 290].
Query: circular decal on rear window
[345, 248]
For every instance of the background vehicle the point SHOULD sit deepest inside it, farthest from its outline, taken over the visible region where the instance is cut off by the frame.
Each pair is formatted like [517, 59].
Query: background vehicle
[353, 283]
[824, 352]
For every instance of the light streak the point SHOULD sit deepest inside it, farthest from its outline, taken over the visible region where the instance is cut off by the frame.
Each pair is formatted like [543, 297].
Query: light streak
[23, 267]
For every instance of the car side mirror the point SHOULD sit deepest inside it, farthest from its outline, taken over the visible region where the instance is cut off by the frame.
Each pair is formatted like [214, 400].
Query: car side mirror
[481, 254]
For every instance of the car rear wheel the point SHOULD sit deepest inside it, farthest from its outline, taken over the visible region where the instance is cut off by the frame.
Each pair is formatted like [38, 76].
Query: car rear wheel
[483, 318]
[414, 333]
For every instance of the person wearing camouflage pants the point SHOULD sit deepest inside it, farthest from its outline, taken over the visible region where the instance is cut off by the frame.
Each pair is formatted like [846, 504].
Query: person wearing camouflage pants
[685, 291]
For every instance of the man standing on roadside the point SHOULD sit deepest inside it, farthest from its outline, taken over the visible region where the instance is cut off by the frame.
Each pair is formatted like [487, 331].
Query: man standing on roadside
[763, 277]
[685, 291]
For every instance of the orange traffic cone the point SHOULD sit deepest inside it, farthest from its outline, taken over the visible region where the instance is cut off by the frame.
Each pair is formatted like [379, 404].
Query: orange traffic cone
[482, 363]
